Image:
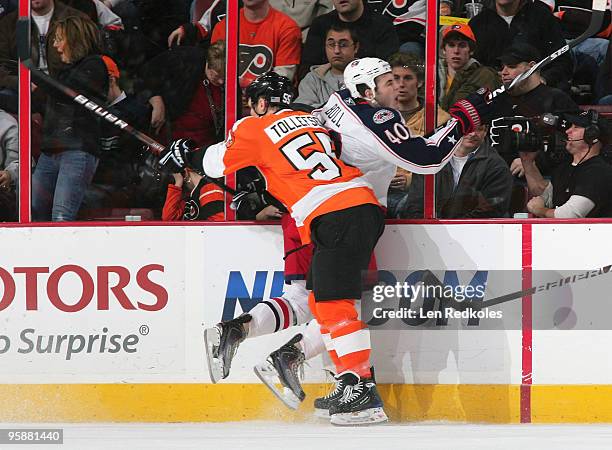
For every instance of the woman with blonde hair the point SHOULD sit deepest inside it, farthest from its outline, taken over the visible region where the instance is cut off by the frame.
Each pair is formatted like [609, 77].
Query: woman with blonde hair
[70, 148]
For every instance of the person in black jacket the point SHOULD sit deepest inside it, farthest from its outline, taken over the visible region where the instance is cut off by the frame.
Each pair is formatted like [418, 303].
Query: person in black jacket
[377, 36]
[475, 184]
[509, 22]
[71, 134]
[188, 83]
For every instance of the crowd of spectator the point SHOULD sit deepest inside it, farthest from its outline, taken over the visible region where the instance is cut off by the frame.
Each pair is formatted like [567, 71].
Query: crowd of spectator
[160, 66]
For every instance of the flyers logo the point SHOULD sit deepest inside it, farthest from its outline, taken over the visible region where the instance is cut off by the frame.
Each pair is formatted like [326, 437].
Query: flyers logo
[192, 210]
[255, 59]
[397, 8]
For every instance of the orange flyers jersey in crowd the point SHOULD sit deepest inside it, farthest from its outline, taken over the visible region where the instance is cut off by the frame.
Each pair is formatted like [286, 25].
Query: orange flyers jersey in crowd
[294, 153]
[276, 41]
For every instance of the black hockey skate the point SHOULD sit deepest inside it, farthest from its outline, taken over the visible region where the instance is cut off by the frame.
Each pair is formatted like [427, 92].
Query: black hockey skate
[284, 366]
[221, 342]
[322, 404]
[359, 403]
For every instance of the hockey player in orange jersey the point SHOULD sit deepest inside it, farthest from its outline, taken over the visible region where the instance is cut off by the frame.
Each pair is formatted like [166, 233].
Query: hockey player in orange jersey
[332, 206]
[295, 135]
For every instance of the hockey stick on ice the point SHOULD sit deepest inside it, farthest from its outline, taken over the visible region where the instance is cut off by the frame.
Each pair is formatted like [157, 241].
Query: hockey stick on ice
[155, 147]
[597, 16]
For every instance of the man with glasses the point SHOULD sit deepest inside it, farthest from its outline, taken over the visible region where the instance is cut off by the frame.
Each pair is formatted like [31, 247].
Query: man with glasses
[377, 36]
[341, 47]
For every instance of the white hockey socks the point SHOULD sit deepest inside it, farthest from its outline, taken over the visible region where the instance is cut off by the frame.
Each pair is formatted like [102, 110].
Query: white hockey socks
[281, 312]
[312, 342]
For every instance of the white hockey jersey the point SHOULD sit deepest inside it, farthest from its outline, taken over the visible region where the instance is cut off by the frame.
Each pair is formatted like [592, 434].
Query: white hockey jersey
[375, 140]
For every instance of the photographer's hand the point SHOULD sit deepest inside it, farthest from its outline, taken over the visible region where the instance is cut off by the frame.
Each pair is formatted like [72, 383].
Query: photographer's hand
[270, 212]
[178, 179]
[516, 168]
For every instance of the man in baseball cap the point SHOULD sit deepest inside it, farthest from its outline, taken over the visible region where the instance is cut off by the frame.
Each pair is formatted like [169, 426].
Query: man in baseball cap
[529, 98]
[581, 187]
[461, 74]
[519, 52]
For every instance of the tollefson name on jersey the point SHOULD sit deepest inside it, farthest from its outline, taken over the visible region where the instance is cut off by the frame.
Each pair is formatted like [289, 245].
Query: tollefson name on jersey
[287, 125]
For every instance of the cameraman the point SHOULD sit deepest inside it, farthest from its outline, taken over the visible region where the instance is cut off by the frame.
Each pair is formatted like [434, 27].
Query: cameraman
[192, 197]
[580, 188]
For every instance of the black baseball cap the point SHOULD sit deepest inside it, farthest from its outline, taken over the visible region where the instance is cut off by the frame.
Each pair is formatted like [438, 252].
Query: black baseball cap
[518, 53]
[579, 118]
[584, 119]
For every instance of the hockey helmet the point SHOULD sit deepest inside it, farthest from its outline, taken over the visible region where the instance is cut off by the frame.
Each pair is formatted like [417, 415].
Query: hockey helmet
[275, 88]
[364, 71]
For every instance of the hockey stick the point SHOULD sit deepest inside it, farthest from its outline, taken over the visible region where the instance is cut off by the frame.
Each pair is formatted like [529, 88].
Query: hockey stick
[155, 147]
[597, 16]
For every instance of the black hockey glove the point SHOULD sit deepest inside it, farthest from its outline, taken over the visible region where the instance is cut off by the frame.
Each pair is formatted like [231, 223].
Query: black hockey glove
[248, 204]
[177, 155]
[473, 111]
[503, 127]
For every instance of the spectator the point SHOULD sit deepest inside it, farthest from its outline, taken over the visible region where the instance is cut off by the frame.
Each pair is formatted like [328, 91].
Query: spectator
[530, 98]
[604, 79]
[71, 137]
[376, 34]
[45, 13]
[303, 12]
[341, 47]
[475, 184]
[509, 22]
[408, 19]
[191, 197]
[203, 15]
[409, 75]
[114, 183]
[9, 166]
[446, 7]
[188, 84]
[582, 187]
[460, 74]
[269, 40]
[575, 17]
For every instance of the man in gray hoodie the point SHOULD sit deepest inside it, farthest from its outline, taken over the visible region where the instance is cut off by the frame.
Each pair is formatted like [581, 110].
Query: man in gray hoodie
[341, 46]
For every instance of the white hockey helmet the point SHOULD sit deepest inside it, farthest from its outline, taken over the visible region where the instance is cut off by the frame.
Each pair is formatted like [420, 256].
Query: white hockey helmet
[364, 71]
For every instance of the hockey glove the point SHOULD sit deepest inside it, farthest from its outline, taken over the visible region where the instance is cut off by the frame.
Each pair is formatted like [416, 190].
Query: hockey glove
[176, 156]
[473, 111]
[503, 127]
[248, 203]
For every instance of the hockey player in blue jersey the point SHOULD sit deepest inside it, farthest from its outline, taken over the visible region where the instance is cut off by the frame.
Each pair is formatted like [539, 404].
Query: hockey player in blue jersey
[371, 136]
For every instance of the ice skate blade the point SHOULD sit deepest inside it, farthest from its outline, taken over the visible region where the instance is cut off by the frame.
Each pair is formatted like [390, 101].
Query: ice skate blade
[366, 417]
[321, 413]
[212, 339]
[268, 376]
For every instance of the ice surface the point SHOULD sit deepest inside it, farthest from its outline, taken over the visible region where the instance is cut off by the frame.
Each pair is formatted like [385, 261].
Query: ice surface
[322, 436]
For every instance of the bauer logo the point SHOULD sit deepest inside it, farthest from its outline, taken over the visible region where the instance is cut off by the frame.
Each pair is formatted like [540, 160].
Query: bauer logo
[72, 288]
[265, 284]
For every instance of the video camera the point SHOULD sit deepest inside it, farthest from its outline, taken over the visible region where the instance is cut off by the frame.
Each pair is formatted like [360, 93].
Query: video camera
[528, 134]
